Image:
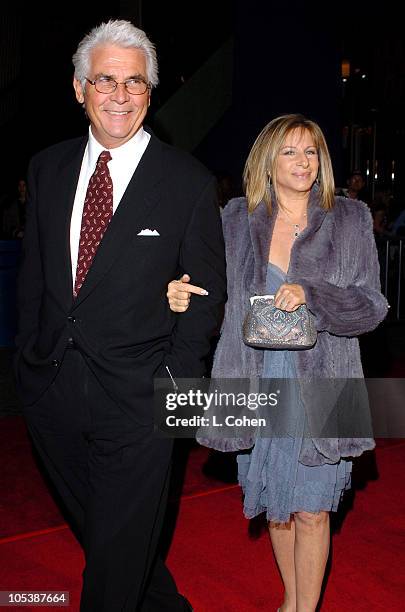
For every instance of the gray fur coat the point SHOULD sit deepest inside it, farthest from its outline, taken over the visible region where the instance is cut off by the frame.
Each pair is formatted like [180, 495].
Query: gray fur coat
[335, 261]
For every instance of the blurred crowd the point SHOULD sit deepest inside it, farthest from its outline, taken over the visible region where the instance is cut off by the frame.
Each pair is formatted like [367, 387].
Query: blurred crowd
[12, 212]
[388, 214]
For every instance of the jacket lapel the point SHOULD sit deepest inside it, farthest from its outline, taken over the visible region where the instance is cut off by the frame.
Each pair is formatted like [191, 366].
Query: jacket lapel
[305, 257]
[141, 196]
[261, 225]
[66, 183]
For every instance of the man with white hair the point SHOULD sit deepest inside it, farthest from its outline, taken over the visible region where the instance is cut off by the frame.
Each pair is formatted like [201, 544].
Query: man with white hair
[112, 217]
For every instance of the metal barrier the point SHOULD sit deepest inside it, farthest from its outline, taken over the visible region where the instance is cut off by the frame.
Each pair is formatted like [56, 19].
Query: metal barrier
[392, 269]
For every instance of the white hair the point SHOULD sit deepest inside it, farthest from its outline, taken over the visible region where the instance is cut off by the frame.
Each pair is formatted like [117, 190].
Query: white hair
[122, 34]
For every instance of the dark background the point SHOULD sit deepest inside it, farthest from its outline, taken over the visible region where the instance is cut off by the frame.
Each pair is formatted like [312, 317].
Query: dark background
[287, 58]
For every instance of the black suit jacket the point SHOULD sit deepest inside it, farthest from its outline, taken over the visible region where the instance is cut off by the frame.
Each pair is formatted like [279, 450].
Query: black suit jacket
[120, 320]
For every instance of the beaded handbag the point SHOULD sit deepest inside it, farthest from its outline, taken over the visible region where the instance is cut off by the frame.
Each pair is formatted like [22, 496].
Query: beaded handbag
[268, 327]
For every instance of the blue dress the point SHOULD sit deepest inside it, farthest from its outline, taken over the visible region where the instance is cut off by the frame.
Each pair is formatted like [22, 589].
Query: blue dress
[272, 478]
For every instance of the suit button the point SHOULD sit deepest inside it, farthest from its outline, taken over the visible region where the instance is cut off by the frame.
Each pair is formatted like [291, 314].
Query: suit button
[55, 363]
[71, 319]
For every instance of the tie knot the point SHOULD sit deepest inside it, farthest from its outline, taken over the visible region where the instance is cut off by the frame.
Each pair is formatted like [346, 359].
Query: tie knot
[104, 157]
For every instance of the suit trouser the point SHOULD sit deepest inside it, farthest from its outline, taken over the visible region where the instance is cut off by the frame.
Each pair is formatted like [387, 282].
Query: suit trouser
[112, 476]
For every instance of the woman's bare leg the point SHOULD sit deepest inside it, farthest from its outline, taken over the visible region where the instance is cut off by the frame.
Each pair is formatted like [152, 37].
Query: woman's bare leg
[312, 540]
[283, 541]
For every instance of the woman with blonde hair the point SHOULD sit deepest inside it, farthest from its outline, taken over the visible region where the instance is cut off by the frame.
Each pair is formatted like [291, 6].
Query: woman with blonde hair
[292, 237]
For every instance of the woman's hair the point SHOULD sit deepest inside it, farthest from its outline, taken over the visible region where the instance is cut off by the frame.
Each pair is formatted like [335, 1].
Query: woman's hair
[122, 34]
[261, 165]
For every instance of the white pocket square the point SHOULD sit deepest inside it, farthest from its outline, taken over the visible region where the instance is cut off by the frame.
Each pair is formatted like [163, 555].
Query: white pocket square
[148, 232]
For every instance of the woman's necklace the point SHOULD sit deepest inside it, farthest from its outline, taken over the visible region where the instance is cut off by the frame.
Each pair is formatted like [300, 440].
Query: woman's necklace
[297, 226]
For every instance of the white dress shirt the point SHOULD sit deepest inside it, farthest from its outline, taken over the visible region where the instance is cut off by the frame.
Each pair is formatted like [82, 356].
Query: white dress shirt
[125, 160]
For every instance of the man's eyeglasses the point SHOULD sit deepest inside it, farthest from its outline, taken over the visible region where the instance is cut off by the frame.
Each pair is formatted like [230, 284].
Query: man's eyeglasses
[107, 85]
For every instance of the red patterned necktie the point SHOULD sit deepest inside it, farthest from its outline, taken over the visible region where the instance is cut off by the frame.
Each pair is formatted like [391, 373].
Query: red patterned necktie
[97, 214]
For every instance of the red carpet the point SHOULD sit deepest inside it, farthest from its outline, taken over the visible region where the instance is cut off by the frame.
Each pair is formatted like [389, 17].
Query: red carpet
[216, 563]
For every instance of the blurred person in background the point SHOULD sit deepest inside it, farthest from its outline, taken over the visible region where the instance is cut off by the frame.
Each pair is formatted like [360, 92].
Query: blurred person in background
[14, 213]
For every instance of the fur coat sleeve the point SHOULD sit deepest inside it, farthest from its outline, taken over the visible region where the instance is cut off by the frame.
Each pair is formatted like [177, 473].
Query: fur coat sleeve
[354, 305]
